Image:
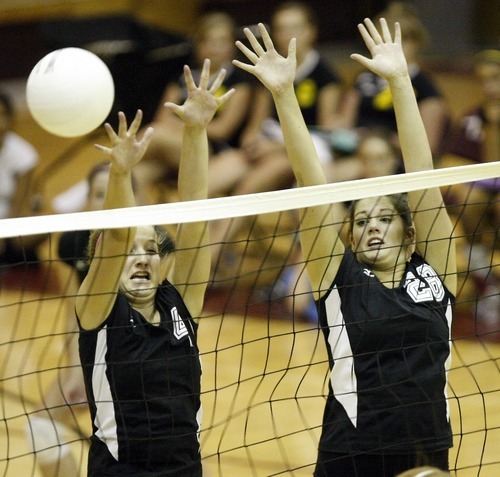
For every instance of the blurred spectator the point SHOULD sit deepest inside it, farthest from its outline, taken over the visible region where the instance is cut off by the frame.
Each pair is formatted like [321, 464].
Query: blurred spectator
[376, 155]
[18, 159]
[214, 39]
[476, 139]
[368, 102]
[264, 165]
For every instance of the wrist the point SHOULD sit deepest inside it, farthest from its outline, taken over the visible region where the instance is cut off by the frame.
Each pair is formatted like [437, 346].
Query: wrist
[399, 81]
[118, 170]
[284, 92]
[195, 128]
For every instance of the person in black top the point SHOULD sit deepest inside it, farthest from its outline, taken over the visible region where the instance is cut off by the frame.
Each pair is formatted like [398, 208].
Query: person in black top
[213, 38]
[263, 164]
[368, 102]
[384, 303]
[138, 348]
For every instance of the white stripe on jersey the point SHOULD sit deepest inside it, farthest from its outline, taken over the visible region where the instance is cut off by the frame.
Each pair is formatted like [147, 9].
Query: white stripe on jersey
[342, 377]
[199, 413]
[105, 420]
[447, 364]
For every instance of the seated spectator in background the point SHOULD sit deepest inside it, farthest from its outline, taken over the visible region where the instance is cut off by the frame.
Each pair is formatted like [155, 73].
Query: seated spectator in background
[375, 155]
[368, 103]
[213, 39]
[476, 139]
[18, 159]
[264, 165]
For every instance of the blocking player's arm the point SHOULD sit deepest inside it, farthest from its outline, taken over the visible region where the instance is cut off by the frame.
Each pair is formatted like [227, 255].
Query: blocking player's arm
[317, 230]
[97, 293]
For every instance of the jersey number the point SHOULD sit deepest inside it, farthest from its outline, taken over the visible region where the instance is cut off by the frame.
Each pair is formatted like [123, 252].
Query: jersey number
[180, 329]
[426, 287]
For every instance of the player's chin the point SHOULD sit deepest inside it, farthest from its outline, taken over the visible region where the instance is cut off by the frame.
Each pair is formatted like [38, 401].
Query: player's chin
[368, 257]
[140, 290]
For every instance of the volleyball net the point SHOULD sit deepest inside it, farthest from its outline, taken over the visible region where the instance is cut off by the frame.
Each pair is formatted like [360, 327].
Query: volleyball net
[265, 365]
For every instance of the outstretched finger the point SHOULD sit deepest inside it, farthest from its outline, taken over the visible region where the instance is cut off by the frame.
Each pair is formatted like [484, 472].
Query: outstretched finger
[104, 149]
[218, 81]
[136, 123]
[122, 124]
[111, 134]
[244, 66]
[386, 33]
[370, 44]
[373, 31]
[292, 49]
[397, 33]
[222, 99]
[257, 47]
[266, 38]
[174, 108]
[247, 52]
[146, 137]
[362, 60]
[205, 74]
[366, 36]
[188, 78]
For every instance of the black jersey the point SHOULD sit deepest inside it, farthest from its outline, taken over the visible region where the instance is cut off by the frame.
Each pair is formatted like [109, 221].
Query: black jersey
[143, 387]
[389, 352]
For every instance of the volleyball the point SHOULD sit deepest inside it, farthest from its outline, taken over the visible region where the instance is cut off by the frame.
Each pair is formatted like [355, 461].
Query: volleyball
[70, 92]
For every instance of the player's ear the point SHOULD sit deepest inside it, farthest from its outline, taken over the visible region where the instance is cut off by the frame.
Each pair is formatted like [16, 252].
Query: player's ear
[410, 242]
[410, 235]
[351, 241]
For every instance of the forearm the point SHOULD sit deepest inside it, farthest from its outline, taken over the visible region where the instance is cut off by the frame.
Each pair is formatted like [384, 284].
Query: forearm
[193, 168]
[413, 139]
[120, 194]
[300, 148]
[192, 258]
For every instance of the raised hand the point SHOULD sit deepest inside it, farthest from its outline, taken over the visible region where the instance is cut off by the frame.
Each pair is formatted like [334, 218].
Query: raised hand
[202, 102]
[388, 59]
[273, 70]
[126, 151]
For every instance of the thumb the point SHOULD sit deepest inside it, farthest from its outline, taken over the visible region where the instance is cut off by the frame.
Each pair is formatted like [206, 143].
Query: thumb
[292, 49]
[363, 60]
[174, 108]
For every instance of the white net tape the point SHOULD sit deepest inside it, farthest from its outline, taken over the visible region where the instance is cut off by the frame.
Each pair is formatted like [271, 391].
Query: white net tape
[245, 205]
